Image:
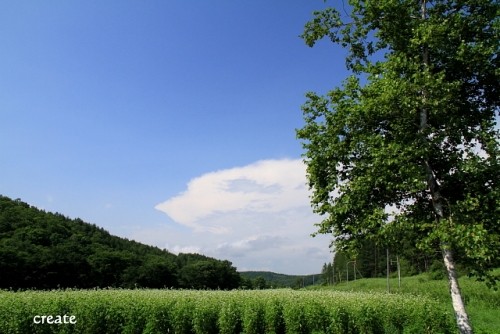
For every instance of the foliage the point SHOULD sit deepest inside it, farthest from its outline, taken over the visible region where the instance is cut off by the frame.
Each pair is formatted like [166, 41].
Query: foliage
[191, 311]
[46, 250]
[370, 260]
[407, 148]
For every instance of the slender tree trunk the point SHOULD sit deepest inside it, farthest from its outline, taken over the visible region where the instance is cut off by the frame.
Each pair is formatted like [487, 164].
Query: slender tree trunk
[399, 271]
[388, 269]
[462, 318]
[463, 322]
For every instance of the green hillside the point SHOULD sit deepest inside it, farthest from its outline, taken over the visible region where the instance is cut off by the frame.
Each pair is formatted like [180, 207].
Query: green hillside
[47, 250]
[276, 280]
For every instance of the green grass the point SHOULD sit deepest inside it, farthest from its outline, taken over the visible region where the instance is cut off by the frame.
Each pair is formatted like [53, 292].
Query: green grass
[283, 311]
[482, 303]
[420, 305]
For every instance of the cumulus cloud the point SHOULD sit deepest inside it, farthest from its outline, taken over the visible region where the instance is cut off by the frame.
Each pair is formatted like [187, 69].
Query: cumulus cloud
[257, 216]
[267, 186]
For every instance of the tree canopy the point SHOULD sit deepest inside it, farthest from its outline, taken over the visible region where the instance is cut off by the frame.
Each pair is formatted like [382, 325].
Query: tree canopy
[408, 143]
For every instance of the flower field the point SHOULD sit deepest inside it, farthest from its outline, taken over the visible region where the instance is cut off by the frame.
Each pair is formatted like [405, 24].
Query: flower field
[189, 311]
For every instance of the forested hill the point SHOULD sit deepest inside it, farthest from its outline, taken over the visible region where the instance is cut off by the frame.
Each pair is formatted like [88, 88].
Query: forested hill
[268, 279]
[46, 250]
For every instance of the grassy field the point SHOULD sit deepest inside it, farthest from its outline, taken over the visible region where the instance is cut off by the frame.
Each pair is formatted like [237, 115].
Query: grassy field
[229, 312]
[482, 303]
[420, 305]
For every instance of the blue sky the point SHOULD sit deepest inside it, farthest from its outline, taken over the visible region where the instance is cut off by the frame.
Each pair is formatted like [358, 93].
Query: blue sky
[168, 122]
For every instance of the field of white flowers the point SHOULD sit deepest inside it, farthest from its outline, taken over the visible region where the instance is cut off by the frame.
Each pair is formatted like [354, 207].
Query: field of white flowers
[205, 312]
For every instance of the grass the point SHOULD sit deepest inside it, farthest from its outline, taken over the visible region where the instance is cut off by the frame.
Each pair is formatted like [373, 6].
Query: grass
[482, 303]
[282, 311]
[420, 305]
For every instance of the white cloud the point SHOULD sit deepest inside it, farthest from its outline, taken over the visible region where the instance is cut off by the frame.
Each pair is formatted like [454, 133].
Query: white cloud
[257, 216]
[265, 186]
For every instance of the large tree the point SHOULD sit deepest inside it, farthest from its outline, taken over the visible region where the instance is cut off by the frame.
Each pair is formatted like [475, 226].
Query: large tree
[408, 142]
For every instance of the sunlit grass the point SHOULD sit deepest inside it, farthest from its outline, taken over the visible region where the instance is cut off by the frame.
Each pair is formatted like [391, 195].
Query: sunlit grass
[482, 303]
[205, 312]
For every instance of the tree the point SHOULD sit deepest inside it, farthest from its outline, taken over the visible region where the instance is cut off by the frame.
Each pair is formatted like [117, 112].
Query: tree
[209, 274]
[260, 283]
[408, 143]
[157, 272]
[327, 274]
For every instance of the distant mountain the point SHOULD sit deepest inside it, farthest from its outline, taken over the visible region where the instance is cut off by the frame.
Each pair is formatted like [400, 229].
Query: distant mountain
[281, 280]
[45, 250]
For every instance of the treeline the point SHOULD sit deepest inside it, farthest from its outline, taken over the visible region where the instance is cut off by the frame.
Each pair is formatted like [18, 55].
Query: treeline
[371, 260]
[44, 250]
[259, 280]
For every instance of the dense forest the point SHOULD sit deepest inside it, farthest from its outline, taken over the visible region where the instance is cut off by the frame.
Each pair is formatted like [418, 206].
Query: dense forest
[46, 250]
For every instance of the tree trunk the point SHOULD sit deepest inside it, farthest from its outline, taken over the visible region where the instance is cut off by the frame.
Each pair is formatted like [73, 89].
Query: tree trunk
[463, 322]
[462, 318]
[388, 270]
